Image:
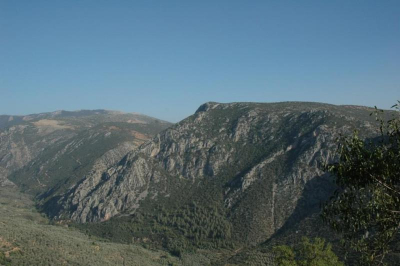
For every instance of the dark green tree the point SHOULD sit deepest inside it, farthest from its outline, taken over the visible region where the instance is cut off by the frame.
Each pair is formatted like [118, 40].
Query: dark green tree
[365, 208]
[307, 253]
[284, 256]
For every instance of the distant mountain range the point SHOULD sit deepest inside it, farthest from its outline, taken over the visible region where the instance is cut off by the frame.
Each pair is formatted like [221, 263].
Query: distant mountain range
[66, 140]
[229, 177]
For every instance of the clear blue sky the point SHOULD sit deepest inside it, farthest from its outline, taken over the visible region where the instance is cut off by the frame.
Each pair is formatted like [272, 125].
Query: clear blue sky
[165, 58]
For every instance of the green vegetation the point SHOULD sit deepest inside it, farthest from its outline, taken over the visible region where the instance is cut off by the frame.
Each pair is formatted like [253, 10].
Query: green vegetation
[203, 227]
[4, 260]
[365, 209]
[26, 238]
[307, 253]
[178, 231]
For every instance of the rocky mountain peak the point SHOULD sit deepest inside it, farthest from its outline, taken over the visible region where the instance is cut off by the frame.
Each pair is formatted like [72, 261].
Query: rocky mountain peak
[206, 106]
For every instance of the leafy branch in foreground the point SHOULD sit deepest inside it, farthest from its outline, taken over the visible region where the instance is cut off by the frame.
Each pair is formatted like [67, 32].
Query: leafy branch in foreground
[365, 208]
[307, 253]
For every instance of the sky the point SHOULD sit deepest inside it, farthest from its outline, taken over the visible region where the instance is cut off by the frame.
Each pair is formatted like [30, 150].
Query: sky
[166, 58]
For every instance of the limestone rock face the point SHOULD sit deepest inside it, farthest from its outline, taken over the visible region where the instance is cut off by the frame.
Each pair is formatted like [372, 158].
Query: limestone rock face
[94, 201]
[262, 160]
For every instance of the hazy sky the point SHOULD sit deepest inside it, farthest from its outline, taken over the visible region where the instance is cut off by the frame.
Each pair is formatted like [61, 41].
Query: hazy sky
[165, 58]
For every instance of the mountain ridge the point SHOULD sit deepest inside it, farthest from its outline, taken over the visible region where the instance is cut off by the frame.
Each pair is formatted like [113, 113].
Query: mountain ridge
[10, 120]
[238, 150]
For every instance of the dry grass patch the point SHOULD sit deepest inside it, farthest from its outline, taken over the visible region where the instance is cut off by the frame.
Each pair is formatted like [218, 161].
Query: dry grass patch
[55, 124]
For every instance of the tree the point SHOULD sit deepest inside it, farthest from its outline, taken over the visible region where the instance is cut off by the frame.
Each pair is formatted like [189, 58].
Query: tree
[365, 208]
[308, 253]
[284, 256]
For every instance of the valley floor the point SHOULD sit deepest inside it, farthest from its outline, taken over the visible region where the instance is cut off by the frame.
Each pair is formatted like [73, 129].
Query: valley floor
[26, 238]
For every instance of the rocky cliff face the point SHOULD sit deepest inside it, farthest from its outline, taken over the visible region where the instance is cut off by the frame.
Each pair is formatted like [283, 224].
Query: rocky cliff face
[259, 162]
